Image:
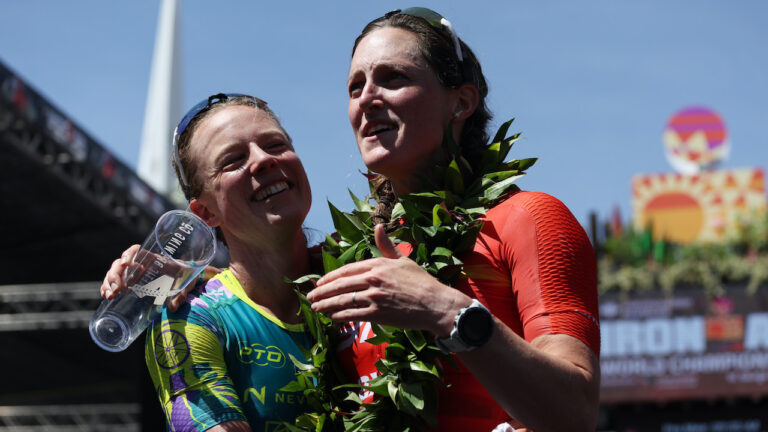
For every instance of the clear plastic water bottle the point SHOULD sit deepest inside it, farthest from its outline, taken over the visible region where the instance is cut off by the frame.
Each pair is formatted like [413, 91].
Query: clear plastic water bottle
[173, 255]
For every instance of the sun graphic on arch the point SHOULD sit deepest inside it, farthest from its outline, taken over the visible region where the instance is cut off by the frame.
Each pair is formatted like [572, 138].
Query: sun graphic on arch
[671, 205]
[698, 203]
[703, 207]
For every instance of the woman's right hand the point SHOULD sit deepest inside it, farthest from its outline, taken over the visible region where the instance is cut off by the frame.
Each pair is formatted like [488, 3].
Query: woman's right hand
[113, 281]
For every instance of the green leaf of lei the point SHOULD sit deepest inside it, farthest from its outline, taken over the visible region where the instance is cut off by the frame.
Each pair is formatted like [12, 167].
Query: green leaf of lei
[441, 224]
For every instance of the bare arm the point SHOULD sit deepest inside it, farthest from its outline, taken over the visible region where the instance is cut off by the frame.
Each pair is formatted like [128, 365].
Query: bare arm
[551, 383]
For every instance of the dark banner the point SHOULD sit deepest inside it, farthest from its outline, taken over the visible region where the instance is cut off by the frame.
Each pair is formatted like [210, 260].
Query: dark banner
[743, 415]
[74, 145]
[685, 346]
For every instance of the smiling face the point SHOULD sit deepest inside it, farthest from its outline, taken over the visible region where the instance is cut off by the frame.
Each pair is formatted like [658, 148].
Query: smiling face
[253, 179]
[398, 109]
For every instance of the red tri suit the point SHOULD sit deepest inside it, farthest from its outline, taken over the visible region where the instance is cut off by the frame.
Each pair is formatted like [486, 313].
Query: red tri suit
[533, 266]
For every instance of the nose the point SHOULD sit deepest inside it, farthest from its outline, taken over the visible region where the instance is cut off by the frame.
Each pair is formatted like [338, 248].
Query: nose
[260, 160]
[370, 97]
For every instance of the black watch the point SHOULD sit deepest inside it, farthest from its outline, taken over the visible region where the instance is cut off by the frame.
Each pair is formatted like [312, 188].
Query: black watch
[472, 327]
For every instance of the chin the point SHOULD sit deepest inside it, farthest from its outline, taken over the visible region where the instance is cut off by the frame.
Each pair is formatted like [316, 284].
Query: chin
[290, 216]
[284, 225]
[380, 162]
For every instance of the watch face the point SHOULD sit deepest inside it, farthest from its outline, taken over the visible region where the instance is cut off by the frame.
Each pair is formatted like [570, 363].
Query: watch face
[475, 326]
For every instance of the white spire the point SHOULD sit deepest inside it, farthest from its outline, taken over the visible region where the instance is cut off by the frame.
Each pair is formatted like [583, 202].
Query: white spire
[163, 108]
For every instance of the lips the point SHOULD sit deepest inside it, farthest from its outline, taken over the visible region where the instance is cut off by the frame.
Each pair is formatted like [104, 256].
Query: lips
[270, 190]
[373, 129]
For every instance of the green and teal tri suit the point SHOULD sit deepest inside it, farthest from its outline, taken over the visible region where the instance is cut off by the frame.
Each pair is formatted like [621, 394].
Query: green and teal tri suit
[221, 357]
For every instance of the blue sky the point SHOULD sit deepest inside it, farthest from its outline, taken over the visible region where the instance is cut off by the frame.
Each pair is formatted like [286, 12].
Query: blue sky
[591, 84]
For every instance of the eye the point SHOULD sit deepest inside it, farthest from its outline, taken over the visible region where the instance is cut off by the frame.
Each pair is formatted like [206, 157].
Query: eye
[277, 146]
[354, 88]
[232, 161]
[394, 75]
[394, 78]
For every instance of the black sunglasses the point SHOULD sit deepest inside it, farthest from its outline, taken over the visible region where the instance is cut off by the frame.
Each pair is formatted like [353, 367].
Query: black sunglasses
[193, 112]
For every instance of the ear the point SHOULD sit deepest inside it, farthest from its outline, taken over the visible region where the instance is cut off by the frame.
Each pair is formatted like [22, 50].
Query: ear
[204, 213]
[467, 99]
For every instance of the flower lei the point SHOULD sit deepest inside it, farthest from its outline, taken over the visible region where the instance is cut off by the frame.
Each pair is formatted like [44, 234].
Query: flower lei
[441, 224]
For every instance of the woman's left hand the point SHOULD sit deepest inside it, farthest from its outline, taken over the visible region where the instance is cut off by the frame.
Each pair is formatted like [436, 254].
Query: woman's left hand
[393, 291]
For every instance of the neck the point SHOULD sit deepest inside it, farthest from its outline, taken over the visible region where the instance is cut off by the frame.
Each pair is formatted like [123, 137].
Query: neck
[416, 180]
[261, 269]
[404, 185]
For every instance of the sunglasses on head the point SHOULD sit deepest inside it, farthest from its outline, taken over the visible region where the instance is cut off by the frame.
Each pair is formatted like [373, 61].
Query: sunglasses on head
[435, 20]
[193, 112]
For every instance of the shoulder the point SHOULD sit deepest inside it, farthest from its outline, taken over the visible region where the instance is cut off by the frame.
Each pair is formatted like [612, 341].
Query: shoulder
[536, 221]
[531, 209]
[202, 304]
[210, 293]
[537, 203]
[196, 323]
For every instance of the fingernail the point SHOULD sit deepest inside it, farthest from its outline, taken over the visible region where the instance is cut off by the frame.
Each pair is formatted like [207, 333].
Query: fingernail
[123, 259]
[112, 287]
